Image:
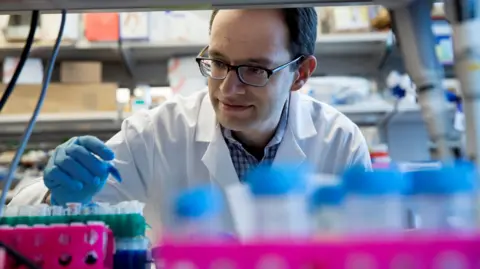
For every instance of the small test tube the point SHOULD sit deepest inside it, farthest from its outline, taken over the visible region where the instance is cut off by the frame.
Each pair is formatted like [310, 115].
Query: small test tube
[74, 209]
[104, 209]
[131, 207]
[90, 209]
[11, 211]
[26, 210]
[374, 201]
[444, 198]
[280, 201]
[56, 210]
[42, 210]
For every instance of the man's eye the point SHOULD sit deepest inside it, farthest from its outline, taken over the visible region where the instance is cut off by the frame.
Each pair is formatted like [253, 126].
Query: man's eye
[218, 64]
[255, 70]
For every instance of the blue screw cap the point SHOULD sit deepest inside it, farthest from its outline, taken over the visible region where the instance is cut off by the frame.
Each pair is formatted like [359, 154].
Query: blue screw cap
[327, 196]
[266, 180]
[199, 202]
[358, 181]
[448, 179]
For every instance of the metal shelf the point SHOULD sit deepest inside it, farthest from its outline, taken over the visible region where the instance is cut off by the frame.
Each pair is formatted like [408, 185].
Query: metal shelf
[81, 122]
[79, 5]
[328, 44]
[338, 54]
[62, 126]
[52, 129]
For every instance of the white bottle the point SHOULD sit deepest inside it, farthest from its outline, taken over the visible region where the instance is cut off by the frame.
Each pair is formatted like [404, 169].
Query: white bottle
[444, 198]
[142, 99]
[327, 210]
[280, 202]
[374, 200]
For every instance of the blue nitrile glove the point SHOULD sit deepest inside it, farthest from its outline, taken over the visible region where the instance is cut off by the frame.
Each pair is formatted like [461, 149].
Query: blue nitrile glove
[73, 174]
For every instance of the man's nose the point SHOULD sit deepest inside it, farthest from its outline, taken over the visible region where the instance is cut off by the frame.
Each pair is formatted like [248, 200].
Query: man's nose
[232, 85]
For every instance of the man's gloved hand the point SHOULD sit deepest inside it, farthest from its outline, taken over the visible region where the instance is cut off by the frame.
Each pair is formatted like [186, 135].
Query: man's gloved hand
[73, 174]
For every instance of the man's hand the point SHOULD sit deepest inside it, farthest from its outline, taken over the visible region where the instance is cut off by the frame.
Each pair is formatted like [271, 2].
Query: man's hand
[77, 170]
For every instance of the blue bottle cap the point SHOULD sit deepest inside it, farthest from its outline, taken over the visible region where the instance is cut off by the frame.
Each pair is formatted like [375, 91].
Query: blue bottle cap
[445, 180]
[265, 180]
[199, 202]
[327, 196]
[358, 181]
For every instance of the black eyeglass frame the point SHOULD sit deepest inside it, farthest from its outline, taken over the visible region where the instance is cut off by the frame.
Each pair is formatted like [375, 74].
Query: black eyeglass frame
[230, 67]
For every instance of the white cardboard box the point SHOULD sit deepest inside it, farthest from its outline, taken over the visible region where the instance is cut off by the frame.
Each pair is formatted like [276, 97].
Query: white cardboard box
[50, 24]
[134, 25]
[32, 72]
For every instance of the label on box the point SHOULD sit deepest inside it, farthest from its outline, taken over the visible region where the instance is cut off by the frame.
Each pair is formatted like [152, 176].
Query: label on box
[134, 25]
[32, 71]
[459, 121]
[443, 42]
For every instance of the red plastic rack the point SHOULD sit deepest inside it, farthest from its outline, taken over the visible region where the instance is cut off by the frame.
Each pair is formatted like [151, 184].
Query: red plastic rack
[60, 246]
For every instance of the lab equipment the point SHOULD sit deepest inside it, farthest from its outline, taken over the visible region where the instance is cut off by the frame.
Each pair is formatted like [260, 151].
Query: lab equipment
[377, 194]
[146, 178]
[45, 82]
[427, 251]
[131, 254]
[444, 198]
[59, 246]
[124, 219]
[198, 213]
[464, 18]
[280, 202]
[327, 210]
[75, 174]
[412, 26]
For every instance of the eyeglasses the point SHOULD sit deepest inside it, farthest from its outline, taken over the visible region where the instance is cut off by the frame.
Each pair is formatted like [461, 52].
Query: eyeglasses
[251, 75]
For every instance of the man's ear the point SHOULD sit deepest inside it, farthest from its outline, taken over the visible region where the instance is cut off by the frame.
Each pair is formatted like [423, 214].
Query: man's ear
[304, 71]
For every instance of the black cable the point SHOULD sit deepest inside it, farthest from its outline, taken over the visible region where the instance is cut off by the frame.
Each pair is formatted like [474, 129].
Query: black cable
[23, 59]
[19, 258]
[31, 123]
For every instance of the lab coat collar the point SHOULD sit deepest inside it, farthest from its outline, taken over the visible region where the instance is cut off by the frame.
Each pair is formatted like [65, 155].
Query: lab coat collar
[300, 120]
[217, 156]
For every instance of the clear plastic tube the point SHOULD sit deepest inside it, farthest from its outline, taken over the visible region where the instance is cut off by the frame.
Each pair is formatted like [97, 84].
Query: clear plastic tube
[444, 198]
[198, 213]
[374, 200]
[328, 212]
[280, 202]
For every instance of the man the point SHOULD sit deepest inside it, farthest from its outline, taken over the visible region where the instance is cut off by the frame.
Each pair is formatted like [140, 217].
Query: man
[256, 62]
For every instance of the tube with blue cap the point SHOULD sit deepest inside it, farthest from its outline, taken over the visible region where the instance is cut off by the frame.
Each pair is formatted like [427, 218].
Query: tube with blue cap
[327, 210]
[444, 198]
[280, 202]
[374, 200]
[198, 213]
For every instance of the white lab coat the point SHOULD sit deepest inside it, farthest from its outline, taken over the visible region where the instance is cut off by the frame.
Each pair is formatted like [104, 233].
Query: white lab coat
[179, 144]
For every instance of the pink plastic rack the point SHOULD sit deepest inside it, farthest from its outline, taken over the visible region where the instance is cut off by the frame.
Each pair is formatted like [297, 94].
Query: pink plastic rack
[411, 251]
[72, 246]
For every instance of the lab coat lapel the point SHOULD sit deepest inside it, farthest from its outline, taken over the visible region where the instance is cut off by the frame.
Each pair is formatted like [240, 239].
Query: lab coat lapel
[300, 127]
[218, 161]
[217, 156]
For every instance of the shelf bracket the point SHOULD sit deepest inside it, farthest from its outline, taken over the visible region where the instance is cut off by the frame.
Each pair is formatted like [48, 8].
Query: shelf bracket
[129, 63]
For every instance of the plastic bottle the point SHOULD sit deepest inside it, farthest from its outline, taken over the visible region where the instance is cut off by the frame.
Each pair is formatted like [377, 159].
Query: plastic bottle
[131, 253]
[198, 213]
[280, 202]
[328, 212]
[374, 200]
[444, 198]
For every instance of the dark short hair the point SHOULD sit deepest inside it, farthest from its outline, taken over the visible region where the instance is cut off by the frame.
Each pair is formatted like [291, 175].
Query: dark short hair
[302, 25]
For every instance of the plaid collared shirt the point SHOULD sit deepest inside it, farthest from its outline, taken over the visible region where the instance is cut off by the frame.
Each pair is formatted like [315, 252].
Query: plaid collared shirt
[242, 160]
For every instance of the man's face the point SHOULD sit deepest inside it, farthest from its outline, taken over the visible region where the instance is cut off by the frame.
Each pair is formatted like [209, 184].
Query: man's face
[257, 38]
